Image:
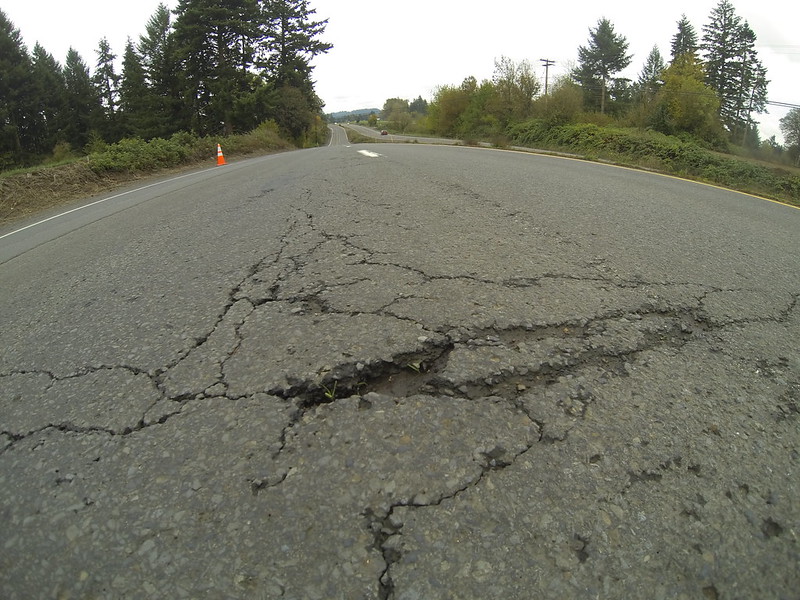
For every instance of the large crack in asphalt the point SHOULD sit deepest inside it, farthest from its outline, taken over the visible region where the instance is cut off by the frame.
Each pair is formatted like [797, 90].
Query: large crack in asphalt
[310, 347]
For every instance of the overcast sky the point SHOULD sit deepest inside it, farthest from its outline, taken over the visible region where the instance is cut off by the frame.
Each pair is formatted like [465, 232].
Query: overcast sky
[406, 49]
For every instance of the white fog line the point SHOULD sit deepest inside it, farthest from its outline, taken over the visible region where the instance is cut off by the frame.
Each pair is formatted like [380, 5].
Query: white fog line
[94, 203]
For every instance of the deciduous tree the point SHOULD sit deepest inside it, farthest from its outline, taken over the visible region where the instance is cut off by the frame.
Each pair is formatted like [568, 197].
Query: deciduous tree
[686, 102]
[393, 105]
[449, 103]
[790, 128]
[516, 86]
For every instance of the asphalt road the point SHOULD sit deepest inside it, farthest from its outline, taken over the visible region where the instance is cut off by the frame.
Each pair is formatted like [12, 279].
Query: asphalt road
[372, 133]
[403, 371]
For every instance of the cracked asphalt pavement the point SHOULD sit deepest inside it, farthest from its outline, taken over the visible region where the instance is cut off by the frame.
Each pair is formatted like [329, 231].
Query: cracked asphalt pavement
[426, 372]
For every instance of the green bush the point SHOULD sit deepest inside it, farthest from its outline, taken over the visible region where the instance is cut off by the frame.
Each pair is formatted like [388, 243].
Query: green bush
[134, 155]
[62, 152]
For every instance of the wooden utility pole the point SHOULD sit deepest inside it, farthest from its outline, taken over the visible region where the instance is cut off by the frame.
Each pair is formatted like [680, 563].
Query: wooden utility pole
[547, 64]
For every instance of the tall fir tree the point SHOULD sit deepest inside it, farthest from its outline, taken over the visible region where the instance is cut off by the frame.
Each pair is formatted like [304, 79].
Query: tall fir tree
[419, 106]
[289, 40]
[218, 67]
[649, 81]
[214, 44]
[605, 55]
[157, 50]
[51, 99]
[82, 101]
[154, 48]
[733, 69]
[685, 40]
[106, 82]
[135, 97]
[18, 116]
[751, 84]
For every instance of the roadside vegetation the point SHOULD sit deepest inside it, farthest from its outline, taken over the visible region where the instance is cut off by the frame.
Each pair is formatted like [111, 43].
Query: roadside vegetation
[24, 192]
[233, 73]
[203, 70]
[692, 115]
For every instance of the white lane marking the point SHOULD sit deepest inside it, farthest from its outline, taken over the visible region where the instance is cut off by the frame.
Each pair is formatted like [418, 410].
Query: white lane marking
[370, 154]
[96, 202]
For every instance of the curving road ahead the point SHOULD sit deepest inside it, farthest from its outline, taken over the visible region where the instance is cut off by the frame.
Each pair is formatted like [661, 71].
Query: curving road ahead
[403, 371]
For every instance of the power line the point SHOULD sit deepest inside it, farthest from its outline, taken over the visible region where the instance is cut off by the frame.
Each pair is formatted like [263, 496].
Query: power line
[783, 104]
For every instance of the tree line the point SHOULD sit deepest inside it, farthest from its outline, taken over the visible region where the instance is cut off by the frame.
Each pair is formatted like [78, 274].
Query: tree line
[208, 67]
[710, 89]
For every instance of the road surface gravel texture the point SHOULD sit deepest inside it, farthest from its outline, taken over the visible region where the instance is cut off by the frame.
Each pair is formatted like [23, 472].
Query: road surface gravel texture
[423, 372]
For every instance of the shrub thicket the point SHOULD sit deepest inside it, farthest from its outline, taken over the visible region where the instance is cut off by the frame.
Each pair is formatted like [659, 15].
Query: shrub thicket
[135, 155]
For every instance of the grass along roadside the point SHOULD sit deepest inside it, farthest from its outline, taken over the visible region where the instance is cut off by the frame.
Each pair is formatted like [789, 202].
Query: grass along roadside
[24, 193]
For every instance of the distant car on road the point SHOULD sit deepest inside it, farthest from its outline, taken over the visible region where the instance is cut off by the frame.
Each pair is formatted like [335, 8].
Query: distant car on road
[384, 132]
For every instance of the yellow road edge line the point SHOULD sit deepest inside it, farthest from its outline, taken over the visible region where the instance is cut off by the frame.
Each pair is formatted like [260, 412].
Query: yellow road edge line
[609, 164]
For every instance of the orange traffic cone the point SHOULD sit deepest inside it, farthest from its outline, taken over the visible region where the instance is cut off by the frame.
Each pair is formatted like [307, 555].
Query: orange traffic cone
[220, 156]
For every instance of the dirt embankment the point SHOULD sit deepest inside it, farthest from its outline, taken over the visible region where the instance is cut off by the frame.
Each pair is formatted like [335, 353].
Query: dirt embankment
[25, 194]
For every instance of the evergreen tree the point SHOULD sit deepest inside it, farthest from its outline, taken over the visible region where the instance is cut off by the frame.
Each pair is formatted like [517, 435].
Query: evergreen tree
[649, 80]
[419, 106]
[685, 41]
[83, 104]
[155, 48]
[50, 100]
[17, 115]
[106, 82]
[733, 68]
[719, 47]
[751, 85]
[289, 41]
[135, 98]
[214, 44]
[597, 62]
[157, 53]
